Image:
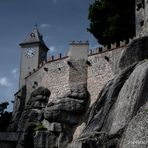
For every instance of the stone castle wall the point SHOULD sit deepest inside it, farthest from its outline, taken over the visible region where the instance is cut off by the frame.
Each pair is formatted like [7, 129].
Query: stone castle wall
[140, 14]
[141, 18]
[53, 75]
[59, 76]
[102, 69]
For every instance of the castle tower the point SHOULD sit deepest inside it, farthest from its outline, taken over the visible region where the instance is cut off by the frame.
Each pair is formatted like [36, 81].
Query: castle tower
[33, 53]
[78, 55]
[141, 13]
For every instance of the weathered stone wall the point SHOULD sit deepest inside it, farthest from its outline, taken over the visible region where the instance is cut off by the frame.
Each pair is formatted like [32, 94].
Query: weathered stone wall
[78, 50]
[60, 76]
[140, 18]
[77, 73]
[101, 69]
[53, 75]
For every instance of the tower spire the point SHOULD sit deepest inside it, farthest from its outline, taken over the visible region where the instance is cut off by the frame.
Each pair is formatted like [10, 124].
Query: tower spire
[34, 37]
[36, 26]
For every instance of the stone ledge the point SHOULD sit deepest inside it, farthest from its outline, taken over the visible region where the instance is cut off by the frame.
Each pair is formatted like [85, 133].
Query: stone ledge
[9, 136]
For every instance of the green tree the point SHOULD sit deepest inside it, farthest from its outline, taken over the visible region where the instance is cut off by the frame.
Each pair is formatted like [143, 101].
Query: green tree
[112, 20]
[5, 116]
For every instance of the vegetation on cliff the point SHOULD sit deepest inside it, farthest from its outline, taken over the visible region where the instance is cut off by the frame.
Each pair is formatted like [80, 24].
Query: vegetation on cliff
[112, 20]
[5, 116]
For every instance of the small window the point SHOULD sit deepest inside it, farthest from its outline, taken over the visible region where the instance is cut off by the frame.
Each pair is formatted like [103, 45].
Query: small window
[118, 44]
[106, 58]
[46, 69]
[109, 46]
[126, 41]
[100, 49]
[139, 6]
[141, 23]
[143, 4]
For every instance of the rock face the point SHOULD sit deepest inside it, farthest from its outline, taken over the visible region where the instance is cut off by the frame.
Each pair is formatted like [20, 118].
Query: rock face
[137, 131]
[51, 125]
[32, 116]
[136, 52]
[65, 114]
[118, 119]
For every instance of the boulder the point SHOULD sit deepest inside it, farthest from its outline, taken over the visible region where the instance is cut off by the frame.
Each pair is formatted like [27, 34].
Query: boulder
[132, 96]
[78, 93]
[41, 91]
[108, 96]
[134, 53]
[61, 116]
[38, 98]
[67, 104]
[136, 134]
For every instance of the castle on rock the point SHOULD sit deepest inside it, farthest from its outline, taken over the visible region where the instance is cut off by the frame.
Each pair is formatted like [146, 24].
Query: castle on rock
[76, 77]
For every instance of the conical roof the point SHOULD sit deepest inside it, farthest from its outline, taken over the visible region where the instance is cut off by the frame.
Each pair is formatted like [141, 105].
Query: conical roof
[33, 37]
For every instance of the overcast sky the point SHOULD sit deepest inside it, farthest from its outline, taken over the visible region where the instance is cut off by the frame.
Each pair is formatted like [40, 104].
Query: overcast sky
[60, 21]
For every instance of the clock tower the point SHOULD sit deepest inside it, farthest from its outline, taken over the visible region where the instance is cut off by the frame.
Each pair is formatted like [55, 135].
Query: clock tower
[33, 53]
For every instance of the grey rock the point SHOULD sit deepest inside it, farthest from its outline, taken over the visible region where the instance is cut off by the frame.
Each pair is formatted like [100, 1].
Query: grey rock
[46, 124]
[38, 98]
[29, 116]
[117, 105]
[35, 115]
[57, 127]
[40, 139]
[18, 108]
[41, 91]
[101, 108]
[61, 116]
[37, 104]
[75, 144]
[46, 139]
[52, 140]
[134, 53]
[78, 93]
[68, 104]
[65, 100]
[132, 95]
[64, 138]
[136, 134]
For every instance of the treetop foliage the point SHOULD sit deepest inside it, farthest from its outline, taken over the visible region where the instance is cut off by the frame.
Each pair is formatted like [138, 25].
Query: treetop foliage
[3, 107]
[112, 20]
[4, 116]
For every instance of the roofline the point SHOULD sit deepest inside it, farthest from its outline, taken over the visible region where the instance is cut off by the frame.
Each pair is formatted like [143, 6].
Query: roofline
[40, 43]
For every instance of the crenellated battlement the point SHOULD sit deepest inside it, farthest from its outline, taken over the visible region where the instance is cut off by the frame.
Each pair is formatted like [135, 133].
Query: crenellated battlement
[79, 43]
[109, 47]
[57, 57]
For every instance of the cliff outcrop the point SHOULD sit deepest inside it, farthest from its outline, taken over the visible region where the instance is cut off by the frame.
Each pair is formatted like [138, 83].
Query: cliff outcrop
[118, 119]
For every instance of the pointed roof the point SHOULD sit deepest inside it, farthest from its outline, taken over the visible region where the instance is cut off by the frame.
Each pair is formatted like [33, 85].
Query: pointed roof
[33, 37]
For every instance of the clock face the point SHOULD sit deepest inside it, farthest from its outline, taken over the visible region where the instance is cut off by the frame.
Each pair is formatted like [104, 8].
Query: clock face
[30, 52]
